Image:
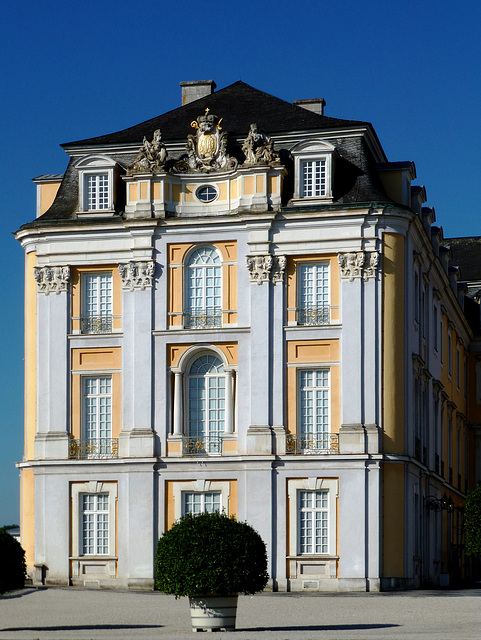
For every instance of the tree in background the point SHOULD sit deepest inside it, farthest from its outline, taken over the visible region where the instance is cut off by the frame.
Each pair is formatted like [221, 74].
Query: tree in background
[472, 522]
[12, 563]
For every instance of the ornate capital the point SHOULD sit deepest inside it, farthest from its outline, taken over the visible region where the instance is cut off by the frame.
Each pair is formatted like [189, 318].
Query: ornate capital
[266, 268]
[259, 268]
[278, 269]
[137, 275]
[358, 264]
[52, 279]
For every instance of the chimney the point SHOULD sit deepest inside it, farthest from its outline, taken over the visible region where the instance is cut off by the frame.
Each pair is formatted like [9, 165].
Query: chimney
[316, 105]
[196, 89]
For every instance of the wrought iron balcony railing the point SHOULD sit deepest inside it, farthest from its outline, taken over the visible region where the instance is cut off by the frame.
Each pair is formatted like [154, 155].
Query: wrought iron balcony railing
[203, 318]
[313, 316]
[94, 448]
[322, 443]
[96, 324]
[201, 445]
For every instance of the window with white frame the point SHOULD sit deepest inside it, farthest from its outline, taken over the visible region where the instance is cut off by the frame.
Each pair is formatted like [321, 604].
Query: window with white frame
[197, 496]
[312, 516]
[206, 402]
[313, 162]
[97, 415]
[96, 303]
[203, 303]
[313, 409]
[96, 185]
[313, 178]
[95, 524]
[97, 192]
[313, 293]
[313, 522]
[195, 503]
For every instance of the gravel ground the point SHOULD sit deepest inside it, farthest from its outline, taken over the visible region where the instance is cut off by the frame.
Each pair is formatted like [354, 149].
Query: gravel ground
[66, 613]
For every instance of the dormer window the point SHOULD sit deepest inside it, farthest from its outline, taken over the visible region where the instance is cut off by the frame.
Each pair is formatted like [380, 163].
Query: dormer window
[97, 185]
[313, 178]
[97, 191]
[312, 172]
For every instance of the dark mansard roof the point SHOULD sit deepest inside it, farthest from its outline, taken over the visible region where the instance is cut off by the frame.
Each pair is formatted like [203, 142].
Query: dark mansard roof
[355, 179]
[239, 105]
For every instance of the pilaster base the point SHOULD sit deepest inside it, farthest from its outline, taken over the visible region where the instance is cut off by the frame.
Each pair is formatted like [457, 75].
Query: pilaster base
[259, 440]
[138, 443]
[53, 445]
[359, 438]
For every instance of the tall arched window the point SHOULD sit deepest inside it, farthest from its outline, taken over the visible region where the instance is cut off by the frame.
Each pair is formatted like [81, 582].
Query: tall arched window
[206, 402]
[203, 308]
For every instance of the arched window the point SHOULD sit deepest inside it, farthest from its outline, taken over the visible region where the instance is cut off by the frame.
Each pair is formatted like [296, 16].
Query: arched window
[206, 400]
[203, 304]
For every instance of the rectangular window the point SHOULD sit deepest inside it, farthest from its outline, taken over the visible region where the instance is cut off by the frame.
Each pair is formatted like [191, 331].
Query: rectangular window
[196, 503]
[313, 522]
[97, 416]
[313, 178]
[313, 408]
[458, 368]
[97, 303]
[95, 524]
[97, 192]
[313, 294]
[435, 326]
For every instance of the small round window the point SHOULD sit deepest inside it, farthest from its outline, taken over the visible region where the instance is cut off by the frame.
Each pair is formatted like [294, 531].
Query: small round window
[206, 194]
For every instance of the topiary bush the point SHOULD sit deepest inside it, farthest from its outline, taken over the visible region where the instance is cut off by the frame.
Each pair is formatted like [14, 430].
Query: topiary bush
[210, 554]
[472, 522]
[12, 563]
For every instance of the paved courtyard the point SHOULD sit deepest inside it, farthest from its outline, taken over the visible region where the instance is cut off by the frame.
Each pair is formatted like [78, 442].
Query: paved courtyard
[61, 613]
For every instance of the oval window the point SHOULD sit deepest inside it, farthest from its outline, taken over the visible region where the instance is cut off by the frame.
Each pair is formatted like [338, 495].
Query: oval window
[206, 194]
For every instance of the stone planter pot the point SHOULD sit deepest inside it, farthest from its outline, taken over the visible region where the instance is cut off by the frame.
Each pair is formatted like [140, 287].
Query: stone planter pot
[213, 612]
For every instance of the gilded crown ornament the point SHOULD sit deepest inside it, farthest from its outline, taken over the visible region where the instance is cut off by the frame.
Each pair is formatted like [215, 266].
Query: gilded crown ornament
[207, 148]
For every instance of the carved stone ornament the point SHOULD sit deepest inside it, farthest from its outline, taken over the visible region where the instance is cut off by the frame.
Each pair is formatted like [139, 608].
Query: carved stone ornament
[358, 264]
[151, 157]
[207, 149]
[266, 268]
[52, 279]
[259, 148]
[137, 275]
[278, 269]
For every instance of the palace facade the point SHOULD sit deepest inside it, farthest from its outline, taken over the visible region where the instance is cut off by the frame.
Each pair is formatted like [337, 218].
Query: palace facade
[243, 305]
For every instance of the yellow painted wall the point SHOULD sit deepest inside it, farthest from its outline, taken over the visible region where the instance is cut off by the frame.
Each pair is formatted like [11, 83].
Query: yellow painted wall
[249, 185]
[95, 360]
[307, 352]
[30, 405]
[292, 284]
[76, 274]
[393, 342]
[27, 514]
[48, 191]
[133, 192]
[393, 520]
[392, 183]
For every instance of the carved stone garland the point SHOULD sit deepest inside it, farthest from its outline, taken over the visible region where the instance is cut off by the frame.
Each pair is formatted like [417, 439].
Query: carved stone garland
[137, 275]
[358, 264]
[52, 279]
[266, 268]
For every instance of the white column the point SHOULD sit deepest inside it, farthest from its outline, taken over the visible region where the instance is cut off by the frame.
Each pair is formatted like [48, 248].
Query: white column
[229, 402]
[178, 404]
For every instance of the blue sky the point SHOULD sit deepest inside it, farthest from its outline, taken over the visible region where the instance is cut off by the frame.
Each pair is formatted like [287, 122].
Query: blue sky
[76, 70]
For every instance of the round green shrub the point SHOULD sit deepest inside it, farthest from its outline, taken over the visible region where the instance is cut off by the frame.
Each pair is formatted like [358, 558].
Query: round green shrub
[210, 554]
[12, 563]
